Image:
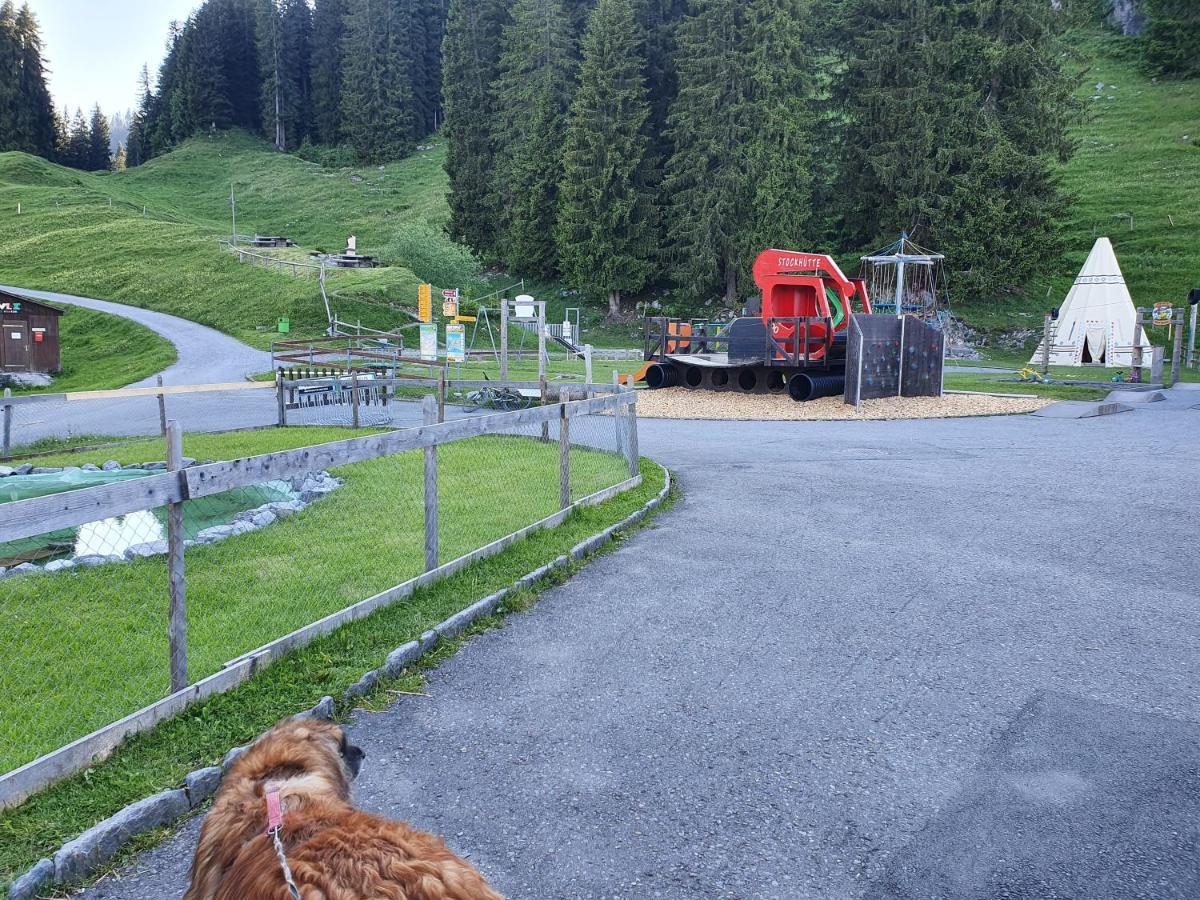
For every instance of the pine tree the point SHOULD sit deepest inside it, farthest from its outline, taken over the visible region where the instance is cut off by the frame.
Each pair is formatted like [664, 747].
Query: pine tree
[270, 65]
[327, 35]
[707, 179]
[377, 102]
[607, 229]
[955, 116]
[98, 157]
[27, 117]
[779, 150]
[296, 39]
[1172, 37]
[471, 65]
[75, 152]
[120, 159]
[533, 91]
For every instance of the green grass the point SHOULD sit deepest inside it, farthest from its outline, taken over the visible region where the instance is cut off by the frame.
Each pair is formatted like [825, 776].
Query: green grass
[100, 351]
[85, 234]
[1138, 155]
[160, 758]
[250, 589]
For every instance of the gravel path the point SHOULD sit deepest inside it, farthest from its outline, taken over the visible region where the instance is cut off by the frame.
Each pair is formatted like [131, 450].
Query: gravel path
[681, 403]
[949, 658]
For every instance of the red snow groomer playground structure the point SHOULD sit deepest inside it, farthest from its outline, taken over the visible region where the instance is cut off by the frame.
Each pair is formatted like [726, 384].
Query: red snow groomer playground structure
[796, 342]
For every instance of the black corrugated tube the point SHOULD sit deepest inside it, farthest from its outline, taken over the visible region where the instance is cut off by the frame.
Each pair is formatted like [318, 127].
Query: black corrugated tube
[804, 386]
[661, 375]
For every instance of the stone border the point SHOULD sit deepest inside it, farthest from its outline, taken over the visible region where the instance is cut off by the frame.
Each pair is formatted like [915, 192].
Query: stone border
[80, 857]
[307, 489]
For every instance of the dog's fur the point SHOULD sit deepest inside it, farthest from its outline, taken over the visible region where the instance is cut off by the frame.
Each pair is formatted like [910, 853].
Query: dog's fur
[335, 851]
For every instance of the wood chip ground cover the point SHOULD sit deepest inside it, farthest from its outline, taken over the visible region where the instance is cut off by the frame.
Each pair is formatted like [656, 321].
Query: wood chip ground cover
[681, 403]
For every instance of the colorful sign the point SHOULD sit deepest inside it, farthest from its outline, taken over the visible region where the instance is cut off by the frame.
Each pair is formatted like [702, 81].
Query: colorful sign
[1163, 314]
[9, 306]
[450, 294]
[450, 309]
[456, 343]
[428, 341]
[425, 303]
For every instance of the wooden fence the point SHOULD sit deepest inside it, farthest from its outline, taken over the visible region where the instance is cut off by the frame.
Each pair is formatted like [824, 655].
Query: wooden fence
[39, 515]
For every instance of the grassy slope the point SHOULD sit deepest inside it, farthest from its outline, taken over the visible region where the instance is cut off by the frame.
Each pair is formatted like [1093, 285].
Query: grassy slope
[100, 351]
[1138, 154]
[70, 238]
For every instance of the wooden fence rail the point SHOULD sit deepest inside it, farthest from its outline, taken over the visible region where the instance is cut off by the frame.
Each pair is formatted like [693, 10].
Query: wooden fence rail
[171, 489]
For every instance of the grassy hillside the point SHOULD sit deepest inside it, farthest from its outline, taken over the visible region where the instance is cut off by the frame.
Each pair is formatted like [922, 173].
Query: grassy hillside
[87, 234]
[1138, 156]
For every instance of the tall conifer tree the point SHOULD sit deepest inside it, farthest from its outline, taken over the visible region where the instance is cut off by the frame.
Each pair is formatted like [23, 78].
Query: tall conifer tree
[607, 229]
[328, 33]
[533, 92]
[98, 155]
[471, 65]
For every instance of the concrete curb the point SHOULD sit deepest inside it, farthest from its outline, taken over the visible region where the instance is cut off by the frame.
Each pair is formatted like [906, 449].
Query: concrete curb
[80, 857]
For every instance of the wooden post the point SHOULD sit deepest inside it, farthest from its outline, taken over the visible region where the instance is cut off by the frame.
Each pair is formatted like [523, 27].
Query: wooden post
[1191, 357]
[162, 410]
[8, 416]
[281, 399]
[441, 396]
[1177, 348]
[1046, 345]
[1135, 370]
[429, 408]
[354, 399]
[564, 457]
[177, 615]
[587, 371]
[631, 416]
[503, 340]
[541, 326]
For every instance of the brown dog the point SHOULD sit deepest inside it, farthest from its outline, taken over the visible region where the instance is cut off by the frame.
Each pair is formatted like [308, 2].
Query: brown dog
[334, 851]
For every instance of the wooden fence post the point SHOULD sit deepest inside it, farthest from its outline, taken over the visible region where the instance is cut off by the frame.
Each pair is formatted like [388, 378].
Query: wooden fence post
[8, 417]
[503, 340]
[1177, 350]
[1135, 369]
[1046, 345]
[441, 396]
[429, 408]
[635, 464]
[564, 457]
[177, 614]
[162, 410]
[354, 399]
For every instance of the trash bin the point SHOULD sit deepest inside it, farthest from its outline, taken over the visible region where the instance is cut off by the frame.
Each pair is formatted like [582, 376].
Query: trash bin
[285, 325]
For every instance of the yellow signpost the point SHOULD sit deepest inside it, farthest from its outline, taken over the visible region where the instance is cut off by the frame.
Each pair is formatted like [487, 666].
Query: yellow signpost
[425, 303]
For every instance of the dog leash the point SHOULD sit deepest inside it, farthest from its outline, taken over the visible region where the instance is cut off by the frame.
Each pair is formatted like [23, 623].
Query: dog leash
[274, 825]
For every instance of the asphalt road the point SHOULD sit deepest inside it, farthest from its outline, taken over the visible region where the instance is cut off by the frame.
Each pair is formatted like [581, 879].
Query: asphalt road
[949, 658]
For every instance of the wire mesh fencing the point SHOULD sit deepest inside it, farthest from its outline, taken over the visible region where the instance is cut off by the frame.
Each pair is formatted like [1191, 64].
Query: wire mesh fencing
[125, 580]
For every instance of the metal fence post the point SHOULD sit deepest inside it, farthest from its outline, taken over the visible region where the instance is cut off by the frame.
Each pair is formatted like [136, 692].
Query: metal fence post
[177, 614]
[1136, 360]
[631, 414]
[354, 400]
[8, 417]
[162, 409]
[281, 399]
[564, 457]
[542, 386]
[441, 396]
[618, 419]
[1046, 345]
[429, 408]
[587, 370]
[503, 339]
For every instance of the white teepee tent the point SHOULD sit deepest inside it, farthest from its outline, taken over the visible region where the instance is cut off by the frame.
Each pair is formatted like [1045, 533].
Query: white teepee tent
[1095, 322]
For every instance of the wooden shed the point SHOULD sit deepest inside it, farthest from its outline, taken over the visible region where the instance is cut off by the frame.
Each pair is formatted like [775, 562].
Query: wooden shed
[28, 335]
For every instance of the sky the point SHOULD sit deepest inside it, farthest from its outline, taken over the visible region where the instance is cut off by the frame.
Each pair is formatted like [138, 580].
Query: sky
[96, 48]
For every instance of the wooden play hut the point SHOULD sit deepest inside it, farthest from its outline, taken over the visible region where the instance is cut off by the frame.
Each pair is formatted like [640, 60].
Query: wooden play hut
[28, 335]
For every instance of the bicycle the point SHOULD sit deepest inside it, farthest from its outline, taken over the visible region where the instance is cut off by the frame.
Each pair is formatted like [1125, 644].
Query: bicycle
[501, 399]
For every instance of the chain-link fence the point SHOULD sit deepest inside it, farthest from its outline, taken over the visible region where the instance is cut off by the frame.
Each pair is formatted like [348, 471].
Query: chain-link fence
[124, 580]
